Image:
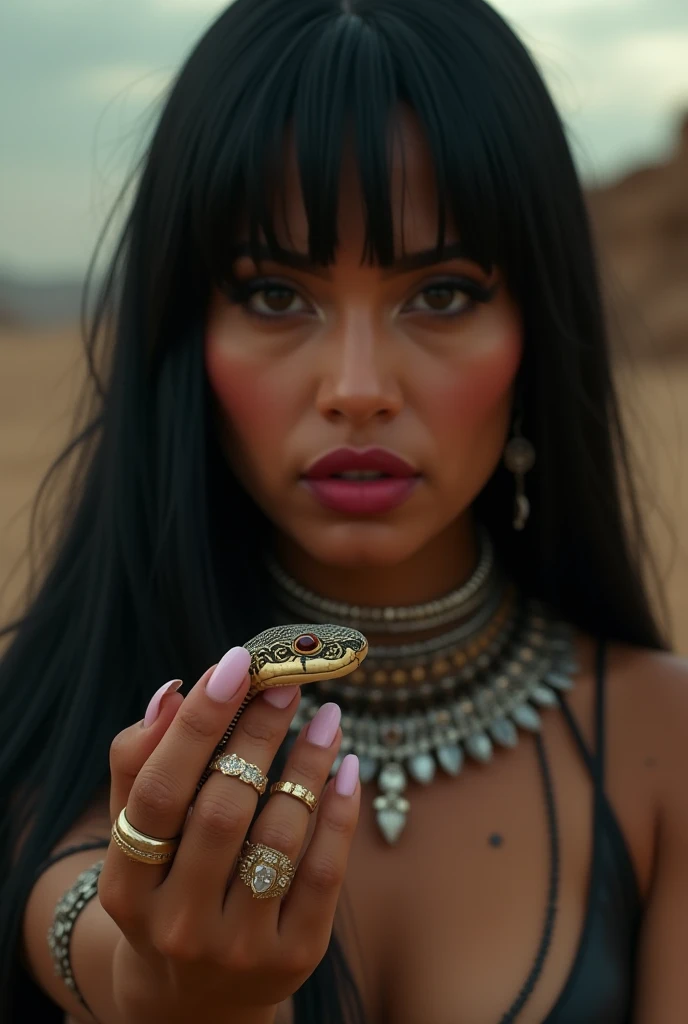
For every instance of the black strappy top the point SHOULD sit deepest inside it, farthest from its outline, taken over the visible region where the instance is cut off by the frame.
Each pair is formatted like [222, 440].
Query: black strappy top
[599, 989]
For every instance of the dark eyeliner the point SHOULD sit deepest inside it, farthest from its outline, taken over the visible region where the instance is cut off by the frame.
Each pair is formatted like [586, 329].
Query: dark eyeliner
[240, 291]
[476, 291]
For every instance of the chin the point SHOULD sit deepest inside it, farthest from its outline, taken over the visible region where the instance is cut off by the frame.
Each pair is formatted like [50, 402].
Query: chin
[361, 544]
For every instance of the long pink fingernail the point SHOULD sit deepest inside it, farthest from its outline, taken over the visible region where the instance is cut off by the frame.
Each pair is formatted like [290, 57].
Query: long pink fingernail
[153, 709]
[323, 728]
[346, 779]
[229, 675]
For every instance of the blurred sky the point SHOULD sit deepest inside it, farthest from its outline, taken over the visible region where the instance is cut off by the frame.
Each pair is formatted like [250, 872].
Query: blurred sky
[80, 81]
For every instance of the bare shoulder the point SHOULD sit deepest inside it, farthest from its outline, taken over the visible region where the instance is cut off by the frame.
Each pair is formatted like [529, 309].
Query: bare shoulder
[647, 724]
[646, 692]
[647, 716]
[643, 665]
[651, 686]
[646, 741]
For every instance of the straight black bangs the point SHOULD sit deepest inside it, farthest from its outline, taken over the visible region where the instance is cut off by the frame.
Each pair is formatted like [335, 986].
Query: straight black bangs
[325, 79]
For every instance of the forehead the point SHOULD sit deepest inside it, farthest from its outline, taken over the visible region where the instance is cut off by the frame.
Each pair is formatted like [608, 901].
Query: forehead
[412, 185]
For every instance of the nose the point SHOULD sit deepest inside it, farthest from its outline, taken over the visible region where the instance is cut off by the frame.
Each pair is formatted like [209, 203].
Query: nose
[360, 376]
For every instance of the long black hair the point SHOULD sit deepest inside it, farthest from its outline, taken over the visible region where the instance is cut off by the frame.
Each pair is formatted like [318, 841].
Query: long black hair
[155, 570]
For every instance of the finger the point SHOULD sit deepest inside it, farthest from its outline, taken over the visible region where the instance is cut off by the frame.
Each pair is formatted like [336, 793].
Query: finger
[311, 902]
[132, 747]
[284, 822]
[165, 786]
[222, 813]
[129, 751]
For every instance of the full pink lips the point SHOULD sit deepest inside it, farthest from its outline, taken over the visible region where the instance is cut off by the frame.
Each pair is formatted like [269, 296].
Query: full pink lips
[361, 497]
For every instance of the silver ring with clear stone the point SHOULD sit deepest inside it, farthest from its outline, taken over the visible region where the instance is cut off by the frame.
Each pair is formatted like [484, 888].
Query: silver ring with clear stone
[265, 871]
[232, 764]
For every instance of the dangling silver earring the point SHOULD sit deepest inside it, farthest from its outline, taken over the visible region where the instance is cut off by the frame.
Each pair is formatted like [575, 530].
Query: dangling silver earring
[519, 458]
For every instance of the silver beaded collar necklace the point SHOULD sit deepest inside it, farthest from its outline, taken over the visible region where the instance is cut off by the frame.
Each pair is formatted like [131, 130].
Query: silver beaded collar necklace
[414, 708]
[450, 608]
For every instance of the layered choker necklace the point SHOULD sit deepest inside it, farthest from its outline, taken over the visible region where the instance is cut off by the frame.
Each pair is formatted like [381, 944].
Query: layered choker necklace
[415, 707]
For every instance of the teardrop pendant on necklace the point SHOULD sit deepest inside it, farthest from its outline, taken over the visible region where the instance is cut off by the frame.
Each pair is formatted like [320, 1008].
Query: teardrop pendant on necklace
[526, 717]
[543, 697]
[391, 819]
[422, 767]
[479, 746]
[390, 806]
[504, 732]
[450, 757]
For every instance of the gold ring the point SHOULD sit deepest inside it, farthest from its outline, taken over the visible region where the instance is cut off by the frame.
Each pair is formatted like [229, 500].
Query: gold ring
[140, 847]
[265, 871]
[297, 790]
[232, 764]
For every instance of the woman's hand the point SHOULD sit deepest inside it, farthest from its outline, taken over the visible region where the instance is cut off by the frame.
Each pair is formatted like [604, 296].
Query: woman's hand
[197, 945]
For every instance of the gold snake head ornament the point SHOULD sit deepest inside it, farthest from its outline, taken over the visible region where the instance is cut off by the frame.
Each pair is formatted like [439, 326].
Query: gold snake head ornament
[303, 653]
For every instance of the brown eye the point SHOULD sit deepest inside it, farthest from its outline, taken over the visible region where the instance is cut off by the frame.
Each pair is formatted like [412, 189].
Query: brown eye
[277, 300]
[440, 297]
[448, 298]
[266, 298]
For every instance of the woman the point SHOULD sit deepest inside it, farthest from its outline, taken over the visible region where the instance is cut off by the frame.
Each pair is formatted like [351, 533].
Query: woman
[423, 443]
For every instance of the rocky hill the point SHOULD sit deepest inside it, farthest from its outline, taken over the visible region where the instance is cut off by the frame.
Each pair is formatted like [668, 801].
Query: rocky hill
[641, 225]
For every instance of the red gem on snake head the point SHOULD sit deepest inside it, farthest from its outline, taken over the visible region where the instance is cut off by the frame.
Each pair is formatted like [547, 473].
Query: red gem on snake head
[307, 643]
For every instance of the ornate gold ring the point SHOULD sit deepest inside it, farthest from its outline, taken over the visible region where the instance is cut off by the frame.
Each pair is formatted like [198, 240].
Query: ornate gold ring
[297, 790]
[232, 764]
[265, 871]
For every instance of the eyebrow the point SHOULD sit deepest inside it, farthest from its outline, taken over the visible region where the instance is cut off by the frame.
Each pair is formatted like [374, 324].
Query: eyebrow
[404, 264]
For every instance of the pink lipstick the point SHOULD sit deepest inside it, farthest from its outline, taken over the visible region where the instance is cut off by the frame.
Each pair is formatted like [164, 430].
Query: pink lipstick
[361, 481]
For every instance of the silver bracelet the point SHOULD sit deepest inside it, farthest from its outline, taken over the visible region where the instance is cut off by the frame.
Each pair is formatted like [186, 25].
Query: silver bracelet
[67, 911]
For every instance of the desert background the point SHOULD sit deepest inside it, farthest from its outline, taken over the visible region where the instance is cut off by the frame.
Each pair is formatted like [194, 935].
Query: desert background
[636, 187]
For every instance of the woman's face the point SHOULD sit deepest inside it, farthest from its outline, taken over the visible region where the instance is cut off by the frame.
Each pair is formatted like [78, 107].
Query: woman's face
[360, 356]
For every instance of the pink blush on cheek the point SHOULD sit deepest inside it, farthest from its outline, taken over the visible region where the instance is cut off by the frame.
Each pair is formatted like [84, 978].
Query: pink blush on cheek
[237, 387]
[245, 391]
[479, 384]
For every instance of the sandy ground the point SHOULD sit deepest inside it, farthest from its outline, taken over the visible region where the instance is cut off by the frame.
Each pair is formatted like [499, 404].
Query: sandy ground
[39, 376]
